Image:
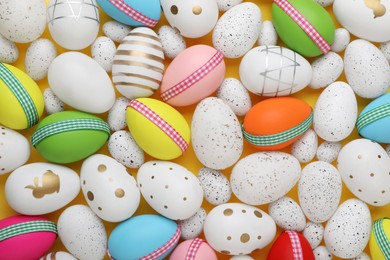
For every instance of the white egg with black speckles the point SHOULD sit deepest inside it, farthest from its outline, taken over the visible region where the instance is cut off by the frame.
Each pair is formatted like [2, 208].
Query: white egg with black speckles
[103, 50]
[326, 70]
[216, 187]
[325, 3]
[385, 49]
[125, 150]
[347, 232]
[341, 40]
[366, 69]
[387, 149]
[335, 112]
[235, 95]
[9, 52]
[314, 232]
[171, 40]
[52, 103]
[268, 35]
[241, 257]
[287, 214]
[39, 56]
[328, 151]
[305, 148]
[362, 256]
[192, 227]
[224, 5]
[237, 30]
[322, 253]
[82, 232]
[216, 134]
[116, 118]
[116, 31]
[319, 191]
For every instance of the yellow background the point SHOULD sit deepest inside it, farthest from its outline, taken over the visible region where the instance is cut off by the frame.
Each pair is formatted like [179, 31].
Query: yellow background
[188, 160]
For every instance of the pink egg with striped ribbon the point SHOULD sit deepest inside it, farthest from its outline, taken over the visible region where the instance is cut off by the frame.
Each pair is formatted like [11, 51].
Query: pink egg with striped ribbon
[193, 249]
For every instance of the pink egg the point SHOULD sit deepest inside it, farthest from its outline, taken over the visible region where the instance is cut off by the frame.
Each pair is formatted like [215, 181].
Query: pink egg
[26, 237]
[193, 75]
[194, 249]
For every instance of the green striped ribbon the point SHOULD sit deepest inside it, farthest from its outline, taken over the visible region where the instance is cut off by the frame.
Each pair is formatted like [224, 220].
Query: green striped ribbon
[381, 238]
[274, 139]
[21, 95]
[27, 227]
[373, 115]
[69, 125]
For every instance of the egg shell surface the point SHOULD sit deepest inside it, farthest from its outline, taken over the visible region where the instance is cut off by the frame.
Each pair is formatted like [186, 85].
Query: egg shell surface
[203, 251]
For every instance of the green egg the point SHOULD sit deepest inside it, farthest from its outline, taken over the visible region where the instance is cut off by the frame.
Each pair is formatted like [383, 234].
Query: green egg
[69, 136]
[294, 36]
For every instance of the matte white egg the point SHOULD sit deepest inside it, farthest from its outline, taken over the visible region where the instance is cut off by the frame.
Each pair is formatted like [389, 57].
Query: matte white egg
[322, 253]
[216, 187]
[80, 82]
[328, 151]
[314, 233]
[341, 40]
[362, 256]
[385, 49]
[287, 214]
[39, 56]
[116, 31]
[58, 256]
[279, 173]
[116, 118]
[103, 50]
[41, 188]
[325, 3]
[216, 134]
[235, 95]
[326, 70]
[305, 148]
[192, 227]
[52, 103]
[171, 40]
[224, 5]
[268, 35]
[237, 30]
[9, 52]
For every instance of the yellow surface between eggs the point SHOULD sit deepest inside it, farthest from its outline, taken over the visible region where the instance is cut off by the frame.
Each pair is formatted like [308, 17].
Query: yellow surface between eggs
[188, 160]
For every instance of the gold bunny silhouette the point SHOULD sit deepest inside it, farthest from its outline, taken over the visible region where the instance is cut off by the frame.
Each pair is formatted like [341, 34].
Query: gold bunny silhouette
[376, 6]
[50, 184]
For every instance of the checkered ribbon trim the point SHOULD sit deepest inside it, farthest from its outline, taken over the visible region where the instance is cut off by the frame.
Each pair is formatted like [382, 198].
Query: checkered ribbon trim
[69, 125]
[134, 14]
[275, 139]
[21, 95]
[296, 245]
[165, 248]
[160, 123]
[381, 238]
[373, 115]
[27, 227]
[305, 25]
[193, 249]
[193, 78]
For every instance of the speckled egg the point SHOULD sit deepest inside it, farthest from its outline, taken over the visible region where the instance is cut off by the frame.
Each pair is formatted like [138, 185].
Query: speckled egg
[335, 112]
[387, 148]
[314, 233]
[171, 40]
[216, 187]
[326, 70]
[328, 151]
[193, 226]
[116, 118]
[82, 232]
[224, 5]
[116, 31]
[341, 40]
[235, 95]
[385, 49]
[305, 148]
[125, 150]
[268, 35]
[216, 134]
[319, 191]
[237, 30]
[241, 257]
[52, 103]
[58, 256]
[279, 173]
[322, 253]
[366, 69]
[103, 50]
[9, 52]
[362, 256]
[325, 3]
[347, 232]
[22, 21]
[287, 214]
[39, 56]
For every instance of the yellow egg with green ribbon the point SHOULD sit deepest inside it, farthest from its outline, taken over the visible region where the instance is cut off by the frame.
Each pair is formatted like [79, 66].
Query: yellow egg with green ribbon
[380, 239]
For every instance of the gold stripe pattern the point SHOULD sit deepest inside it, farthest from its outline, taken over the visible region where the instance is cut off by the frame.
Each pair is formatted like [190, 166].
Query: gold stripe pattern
[140, 54]
[135, 75]
[137, 63]
[145, 36]
[130, 84]
[147, 44]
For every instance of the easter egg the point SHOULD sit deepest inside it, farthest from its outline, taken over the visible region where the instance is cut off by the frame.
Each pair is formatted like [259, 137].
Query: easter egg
[9, 52]
[192, 227]
[171, 40]
[379, 239]
[24, 237]
[216, 186]
[193, 75]
[116, 117]
[138, 64]
[39, 55]
[287, 214]
[125, 150]
[52, 103]
[116, 31]
[314, 234]
[58, 256]
[103, 51]
[159, 129]
[341, 40]
[290, 244]
[132, 12]
[143, 237]
[374, 121]
[304, 26]
[326, 70]
[328, 151]
[21, 100]
[305, 148]
[195, 249]
[69, 136]
[276, 123]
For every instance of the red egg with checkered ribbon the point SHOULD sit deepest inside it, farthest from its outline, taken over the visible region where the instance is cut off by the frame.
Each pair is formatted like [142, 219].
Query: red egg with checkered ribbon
[291, 245]
[193, 249]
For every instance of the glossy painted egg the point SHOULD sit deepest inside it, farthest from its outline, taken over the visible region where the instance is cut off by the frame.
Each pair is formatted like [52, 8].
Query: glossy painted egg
[192, 227]
[314, 234]
[197, 248]
[305, 148]
[378, 238]
[326, 70]
[39, 56]
[216, 187]
[287, 214]
[125, 150]
[171, 40]
[9, 52]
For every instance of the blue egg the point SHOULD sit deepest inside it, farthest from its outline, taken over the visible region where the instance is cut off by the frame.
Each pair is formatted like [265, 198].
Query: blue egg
[374, 120]
[133, 12]
[143, 235]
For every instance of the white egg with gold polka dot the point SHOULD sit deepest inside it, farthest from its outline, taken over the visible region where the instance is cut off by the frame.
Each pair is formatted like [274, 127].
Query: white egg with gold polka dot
[111, 192]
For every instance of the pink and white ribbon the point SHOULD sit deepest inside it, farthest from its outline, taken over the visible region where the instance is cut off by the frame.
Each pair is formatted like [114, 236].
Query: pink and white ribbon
[193, 249]
[134, 14]
[296, 245]
[165, 248]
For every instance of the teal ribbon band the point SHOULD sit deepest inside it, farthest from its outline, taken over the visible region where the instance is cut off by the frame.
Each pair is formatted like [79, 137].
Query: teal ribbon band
[381, 238]
[373, 115]
[27, 227]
